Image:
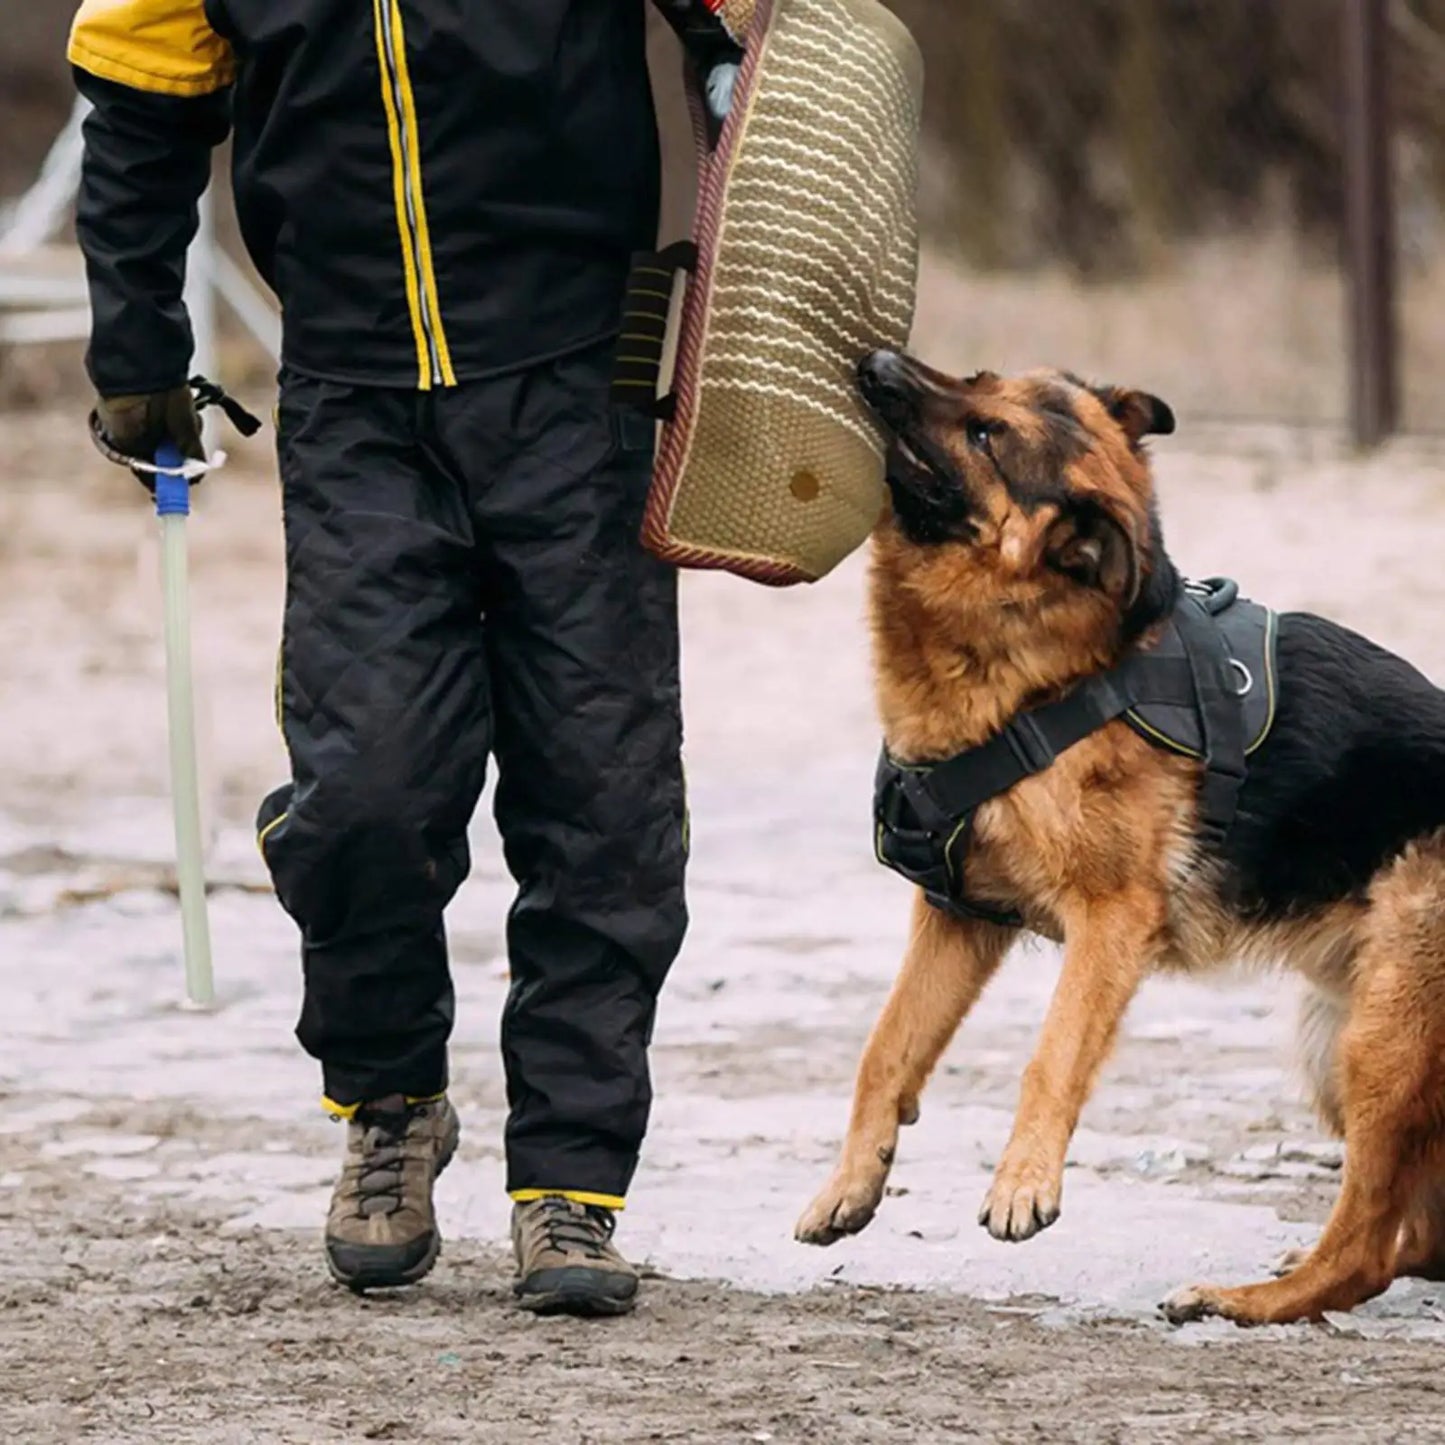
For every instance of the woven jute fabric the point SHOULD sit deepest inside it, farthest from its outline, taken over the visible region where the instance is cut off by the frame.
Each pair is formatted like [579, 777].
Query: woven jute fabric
[808, 260]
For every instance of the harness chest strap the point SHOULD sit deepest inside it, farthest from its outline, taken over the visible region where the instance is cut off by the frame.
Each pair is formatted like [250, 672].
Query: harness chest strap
[942, 793]
[924, 814]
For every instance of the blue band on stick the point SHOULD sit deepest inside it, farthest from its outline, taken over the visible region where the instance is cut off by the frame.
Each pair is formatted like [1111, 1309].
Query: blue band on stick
[173, 491]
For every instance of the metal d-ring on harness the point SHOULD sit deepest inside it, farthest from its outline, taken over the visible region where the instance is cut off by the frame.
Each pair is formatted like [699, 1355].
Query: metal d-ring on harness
[924, 813]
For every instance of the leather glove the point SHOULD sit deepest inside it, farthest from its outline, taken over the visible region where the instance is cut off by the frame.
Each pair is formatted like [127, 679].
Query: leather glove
[130, 428]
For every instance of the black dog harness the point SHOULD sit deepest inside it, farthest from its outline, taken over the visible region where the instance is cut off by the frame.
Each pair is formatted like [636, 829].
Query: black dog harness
[1205, 689]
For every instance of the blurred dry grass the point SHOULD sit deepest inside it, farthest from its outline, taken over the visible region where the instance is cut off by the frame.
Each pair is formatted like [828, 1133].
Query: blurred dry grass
[1232, 328]
[1137, 189]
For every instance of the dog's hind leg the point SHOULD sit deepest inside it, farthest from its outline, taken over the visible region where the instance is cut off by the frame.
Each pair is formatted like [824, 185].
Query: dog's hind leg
[1322, 1017]
[1392, 1085]
[1110, 945]
[949, 960]
[1421, 1252]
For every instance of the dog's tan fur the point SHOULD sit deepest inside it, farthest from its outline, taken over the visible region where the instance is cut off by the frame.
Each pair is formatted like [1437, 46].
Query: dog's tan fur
[1097, 851]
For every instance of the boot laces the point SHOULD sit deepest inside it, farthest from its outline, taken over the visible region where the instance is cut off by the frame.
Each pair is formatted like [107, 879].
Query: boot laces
[383, 1159]
[568, 1227]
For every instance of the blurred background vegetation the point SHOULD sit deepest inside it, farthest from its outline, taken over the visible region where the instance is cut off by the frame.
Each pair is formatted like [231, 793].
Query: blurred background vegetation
[1150, 186]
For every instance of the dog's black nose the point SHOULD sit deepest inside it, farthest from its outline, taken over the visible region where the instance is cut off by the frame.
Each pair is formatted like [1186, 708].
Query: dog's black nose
[882, 377]
[886, 384]
[880, 372]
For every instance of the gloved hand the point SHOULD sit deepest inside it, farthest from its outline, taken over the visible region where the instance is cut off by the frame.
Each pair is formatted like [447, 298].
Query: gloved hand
[130, 428]
[713, 49]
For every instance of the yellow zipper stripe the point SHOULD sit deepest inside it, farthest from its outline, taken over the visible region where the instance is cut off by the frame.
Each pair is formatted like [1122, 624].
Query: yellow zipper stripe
[431, 299]
[398, 173]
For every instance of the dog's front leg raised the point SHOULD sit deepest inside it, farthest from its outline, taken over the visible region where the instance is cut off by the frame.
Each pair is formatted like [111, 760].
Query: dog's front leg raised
[1109, 946]
[949, 960]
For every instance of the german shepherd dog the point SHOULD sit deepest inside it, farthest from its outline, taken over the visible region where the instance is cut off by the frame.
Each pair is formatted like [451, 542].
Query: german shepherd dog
[1022, 552]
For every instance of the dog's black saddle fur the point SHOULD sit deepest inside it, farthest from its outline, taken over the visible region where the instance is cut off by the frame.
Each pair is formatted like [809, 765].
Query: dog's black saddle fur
[1205, 687]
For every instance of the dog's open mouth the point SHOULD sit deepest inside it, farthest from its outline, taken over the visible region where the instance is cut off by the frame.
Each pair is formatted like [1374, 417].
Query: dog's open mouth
[913, 460]
[904, 449]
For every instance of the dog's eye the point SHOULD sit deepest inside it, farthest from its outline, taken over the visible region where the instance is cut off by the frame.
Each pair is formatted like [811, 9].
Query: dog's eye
[979, 433]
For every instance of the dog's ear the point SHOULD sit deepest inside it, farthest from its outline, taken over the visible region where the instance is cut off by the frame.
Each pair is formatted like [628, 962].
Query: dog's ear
[1089, 545]
[1139, 413]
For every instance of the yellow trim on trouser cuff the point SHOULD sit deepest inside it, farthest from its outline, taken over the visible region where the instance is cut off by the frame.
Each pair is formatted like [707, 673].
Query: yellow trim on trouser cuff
[577, 1196]
[348, 1111]
[398, 176]
[430, 298]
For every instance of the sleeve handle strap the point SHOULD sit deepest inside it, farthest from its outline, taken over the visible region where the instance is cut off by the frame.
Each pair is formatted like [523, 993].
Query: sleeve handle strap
[637, 372]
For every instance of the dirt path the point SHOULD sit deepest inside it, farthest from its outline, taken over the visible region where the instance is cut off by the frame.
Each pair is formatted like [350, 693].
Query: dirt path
[173, 1334]
[162, 1174]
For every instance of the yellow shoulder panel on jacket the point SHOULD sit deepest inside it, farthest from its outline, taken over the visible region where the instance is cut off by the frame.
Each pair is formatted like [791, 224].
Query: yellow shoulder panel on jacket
[164, 46]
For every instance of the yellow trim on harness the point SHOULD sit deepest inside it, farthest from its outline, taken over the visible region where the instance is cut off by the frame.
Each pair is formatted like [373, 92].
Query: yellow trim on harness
[577, 1196]
[166, 47]
[398, 182]
[1271, 684]
[431, 299]
[1270, 681]
[1162, 739]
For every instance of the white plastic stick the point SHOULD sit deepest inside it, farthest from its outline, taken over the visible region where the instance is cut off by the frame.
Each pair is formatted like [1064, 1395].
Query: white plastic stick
[185, 784]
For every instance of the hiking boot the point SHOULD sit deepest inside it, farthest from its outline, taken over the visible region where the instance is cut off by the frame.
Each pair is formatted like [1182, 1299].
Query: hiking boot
[566, 1264]
[382, 1231]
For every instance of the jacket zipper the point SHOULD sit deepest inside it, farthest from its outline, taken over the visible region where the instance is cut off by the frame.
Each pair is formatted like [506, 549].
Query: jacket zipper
[422, 294]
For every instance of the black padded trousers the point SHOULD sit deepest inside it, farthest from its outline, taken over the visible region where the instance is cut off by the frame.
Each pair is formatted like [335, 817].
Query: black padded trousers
[464, 577]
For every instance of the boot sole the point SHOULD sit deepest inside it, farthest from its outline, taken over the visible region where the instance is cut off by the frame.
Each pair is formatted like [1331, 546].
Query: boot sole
[361, 1281]
[573, 1290]
[358, 1282]
[583, 1305]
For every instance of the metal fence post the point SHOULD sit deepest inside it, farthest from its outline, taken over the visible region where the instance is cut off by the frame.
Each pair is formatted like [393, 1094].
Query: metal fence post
[1369, 223]
[200, 297]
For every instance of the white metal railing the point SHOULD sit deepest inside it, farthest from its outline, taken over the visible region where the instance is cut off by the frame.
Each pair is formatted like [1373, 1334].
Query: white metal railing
[40, 302]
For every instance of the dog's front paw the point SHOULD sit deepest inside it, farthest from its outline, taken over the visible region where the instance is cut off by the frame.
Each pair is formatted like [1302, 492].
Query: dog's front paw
[1193, 1302]
[1024, 1200]
[845, 1206]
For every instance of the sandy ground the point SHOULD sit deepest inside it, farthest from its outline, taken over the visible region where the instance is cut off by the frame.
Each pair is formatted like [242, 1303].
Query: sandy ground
[163, 1174]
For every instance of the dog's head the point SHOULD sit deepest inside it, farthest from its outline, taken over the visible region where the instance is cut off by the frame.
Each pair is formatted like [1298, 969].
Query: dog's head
[1018, 496]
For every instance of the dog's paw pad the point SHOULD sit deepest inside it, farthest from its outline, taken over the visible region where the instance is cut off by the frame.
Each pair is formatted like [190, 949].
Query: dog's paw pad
[836, 1213]
[1018, 1214]
[1193, 1302]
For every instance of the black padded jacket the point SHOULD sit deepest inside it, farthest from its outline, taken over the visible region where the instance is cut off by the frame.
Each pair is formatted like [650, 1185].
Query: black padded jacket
[436, 190]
